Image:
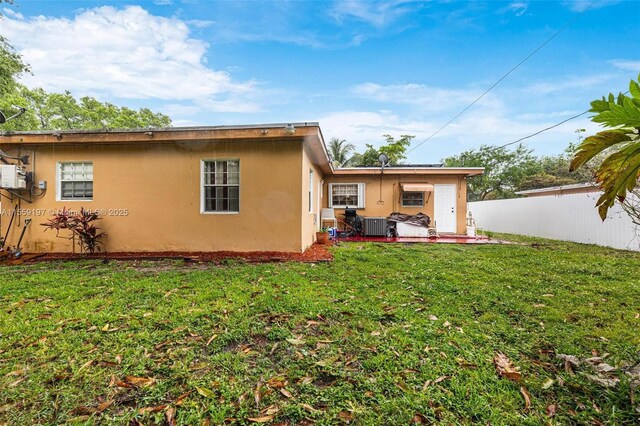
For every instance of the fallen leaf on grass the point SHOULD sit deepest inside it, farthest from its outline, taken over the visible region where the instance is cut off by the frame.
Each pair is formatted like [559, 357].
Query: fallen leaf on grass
[277, 382]
[506, 368]
[296, 342]
[261, 419]
[207, 393]
[466, 364]
[345, 416]
[310, 409]
[170, 416]
[432, 318]
[547, 384]
[419, 419]
[156, 409]
[551, 410]
[211, 339]
[403, 387]
[138, 382]
[286, 393]
[257, 393]
[526, 396]
[85, 365]
[16, 382]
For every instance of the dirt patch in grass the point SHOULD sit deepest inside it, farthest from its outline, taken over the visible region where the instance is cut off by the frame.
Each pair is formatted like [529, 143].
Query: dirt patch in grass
[315, 253]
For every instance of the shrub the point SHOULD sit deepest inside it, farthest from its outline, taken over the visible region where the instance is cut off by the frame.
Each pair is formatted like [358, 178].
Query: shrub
[81, 224]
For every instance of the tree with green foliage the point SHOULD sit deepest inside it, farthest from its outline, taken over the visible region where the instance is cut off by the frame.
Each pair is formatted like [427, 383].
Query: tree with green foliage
[505, 170]
[619, 172]
[61, 111]
[554, 171]
[340, 151]
[394, 149]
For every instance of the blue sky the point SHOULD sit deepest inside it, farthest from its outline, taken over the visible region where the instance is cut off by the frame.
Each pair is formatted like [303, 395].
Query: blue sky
[360, 68]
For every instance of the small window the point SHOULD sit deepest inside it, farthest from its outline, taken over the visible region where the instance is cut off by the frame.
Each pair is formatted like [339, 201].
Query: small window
[343, 195]
[76, 181]
[412, 199]
[221, 186]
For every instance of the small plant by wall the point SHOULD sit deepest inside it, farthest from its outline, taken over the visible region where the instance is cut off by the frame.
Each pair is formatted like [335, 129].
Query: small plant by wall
[81, 223]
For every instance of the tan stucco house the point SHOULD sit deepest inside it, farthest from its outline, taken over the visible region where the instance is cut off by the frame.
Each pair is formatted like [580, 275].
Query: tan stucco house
[225, 188]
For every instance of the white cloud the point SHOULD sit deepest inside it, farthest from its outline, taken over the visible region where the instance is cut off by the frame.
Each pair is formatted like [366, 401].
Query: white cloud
[568, 83]
[581, 5]
[518, 7]
[626, 64]
[426, 98]
[469, 131]
[375, 13]
[124, 53]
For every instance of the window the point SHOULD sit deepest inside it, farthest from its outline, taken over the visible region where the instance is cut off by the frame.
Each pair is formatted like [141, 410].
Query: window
[412, 199]
[343, 195]
[310, 191]
[221, 186]
[75, 181]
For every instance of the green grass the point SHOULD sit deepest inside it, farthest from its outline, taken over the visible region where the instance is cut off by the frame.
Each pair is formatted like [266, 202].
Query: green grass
[361, 342]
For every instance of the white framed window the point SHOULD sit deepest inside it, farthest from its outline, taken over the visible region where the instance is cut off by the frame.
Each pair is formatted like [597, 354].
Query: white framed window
[75, 181]
[412, 199]
[220, 186]
[343, 195]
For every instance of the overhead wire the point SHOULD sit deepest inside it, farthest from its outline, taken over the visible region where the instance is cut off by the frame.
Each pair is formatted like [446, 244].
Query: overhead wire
[505, 75]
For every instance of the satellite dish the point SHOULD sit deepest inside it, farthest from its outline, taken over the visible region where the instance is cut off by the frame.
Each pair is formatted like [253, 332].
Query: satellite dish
[383, 159]
[3, 119]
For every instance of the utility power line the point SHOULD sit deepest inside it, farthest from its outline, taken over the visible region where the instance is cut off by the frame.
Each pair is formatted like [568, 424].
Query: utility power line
[544, 130]
[506, 75]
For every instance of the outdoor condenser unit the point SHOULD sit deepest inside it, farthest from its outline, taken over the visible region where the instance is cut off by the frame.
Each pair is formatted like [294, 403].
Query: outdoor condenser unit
[12, 177]
[375, 227]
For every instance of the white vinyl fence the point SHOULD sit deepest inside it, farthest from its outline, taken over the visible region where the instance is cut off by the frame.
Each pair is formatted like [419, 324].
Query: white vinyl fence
[571, 217]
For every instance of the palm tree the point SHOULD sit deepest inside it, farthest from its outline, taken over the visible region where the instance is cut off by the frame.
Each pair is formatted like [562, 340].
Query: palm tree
[340, 151]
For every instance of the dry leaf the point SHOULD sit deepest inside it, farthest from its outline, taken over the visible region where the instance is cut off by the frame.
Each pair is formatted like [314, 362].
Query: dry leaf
[286, 393]
[310, 409]
[547, 384]
[551, 410]
[432, 318]
[526, 396]
[152, 409]
[261, 419]
[257, 394]
[170, 416]
[466, 364]
[139, 382]
[296, 342]
[419, 419]
[375, 333]
[506, 368]
[277, 382]
[211, 339]
[345, 416]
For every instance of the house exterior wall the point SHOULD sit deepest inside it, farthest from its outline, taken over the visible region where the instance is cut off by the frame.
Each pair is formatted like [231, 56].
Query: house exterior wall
[150, 196]
[310, 220]
[381, 201]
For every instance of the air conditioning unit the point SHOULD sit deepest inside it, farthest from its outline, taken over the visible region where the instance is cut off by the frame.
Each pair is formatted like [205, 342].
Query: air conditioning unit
[375, 226]
[13, 177]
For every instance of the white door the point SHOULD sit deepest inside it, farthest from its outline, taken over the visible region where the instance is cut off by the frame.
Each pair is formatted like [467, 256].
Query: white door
[444, 207]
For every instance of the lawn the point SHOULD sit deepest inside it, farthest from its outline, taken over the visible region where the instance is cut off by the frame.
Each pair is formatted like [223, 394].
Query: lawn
[385, 334]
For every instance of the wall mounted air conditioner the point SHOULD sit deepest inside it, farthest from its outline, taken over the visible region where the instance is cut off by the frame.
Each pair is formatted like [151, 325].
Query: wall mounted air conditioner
[13, 177]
